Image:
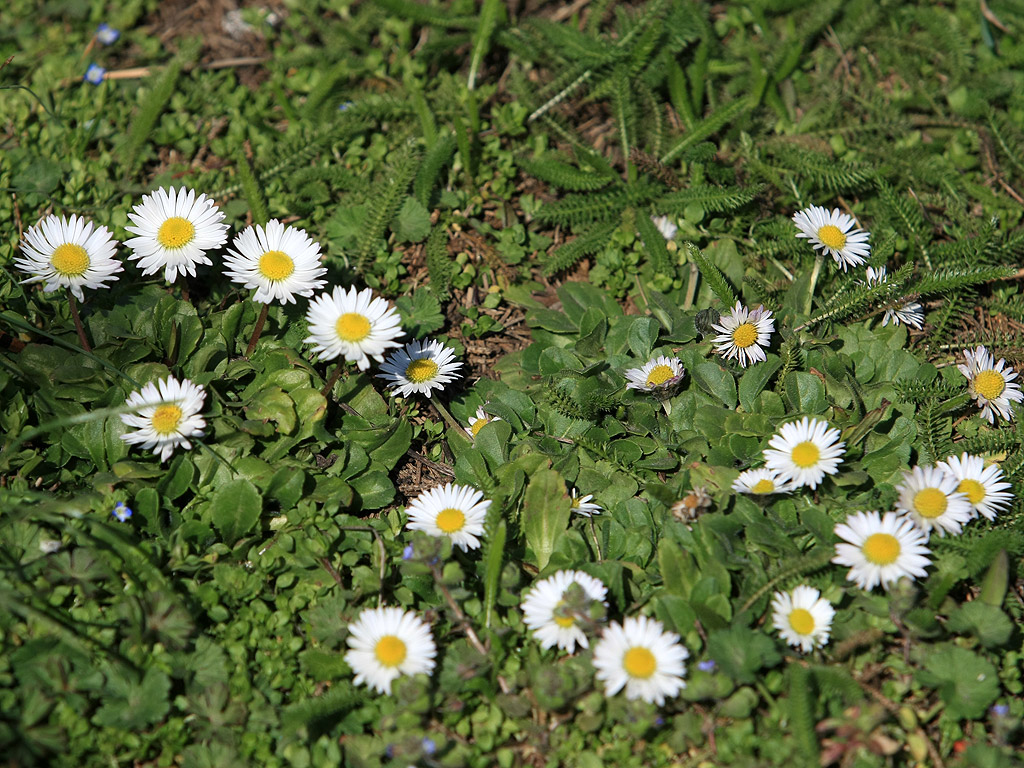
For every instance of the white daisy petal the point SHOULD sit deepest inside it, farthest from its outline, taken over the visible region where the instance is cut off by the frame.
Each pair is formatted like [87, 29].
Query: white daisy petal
[984, 487]
[478, 422]
[386, 643]
[991, 384]
[640, 656]
[583, 506]
[166, 415]
[834, 233]
[761, 482]
[804, 452]
[174, 231]
[666, 226]
[744, 334]
[906, 314]
[544, 609]
[455, 511]
[74, 254]
[420, 367]
[353, 325]
[881, 550]
[279, 262]
[802, 617]
[658, 375]
[929, 497]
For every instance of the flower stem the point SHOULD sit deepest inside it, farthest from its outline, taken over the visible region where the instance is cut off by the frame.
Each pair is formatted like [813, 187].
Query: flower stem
[78, 322]
[819, 259]
[335, 375]
[446, 415]
[257, 330]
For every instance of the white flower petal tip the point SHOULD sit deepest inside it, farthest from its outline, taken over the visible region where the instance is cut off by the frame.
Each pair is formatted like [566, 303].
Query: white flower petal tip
[983, 486]
[174, 230]
[803, 618]
[881, 549]
[744, 334]
[929, 497]
[666, 226]
[479, 421]
[803, 452]
[69, 253]
[280, 262]
[640, 656]
[556, 615]
[584, 506]
[352, 324]
[662, 374]
[991, 384]
[761, 482]
[420, 367]
[387, 643]
[834, 233]
[166, 415]
[455, 511]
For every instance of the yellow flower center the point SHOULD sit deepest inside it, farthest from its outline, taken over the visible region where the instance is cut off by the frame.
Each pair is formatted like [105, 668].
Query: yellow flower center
[421, 370]
[801, 621]
[639, 662]
[166, 419]
[451, 520]
[560, 618]
[352, 327]
[478, 425]
[70, 260]
[832, 237]
[745, 335]
[659, 375]
[763, 486]
[989, 384]
[390, 651]
[276, 265]
[806, 454]
[930, 502]
[975, 491]
[175, 232]
[881, 549]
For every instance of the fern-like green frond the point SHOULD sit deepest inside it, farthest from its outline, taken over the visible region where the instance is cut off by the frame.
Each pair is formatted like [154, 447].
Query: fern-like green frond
[565, 176]
[383, 205]
[713, 276]
[566, 256]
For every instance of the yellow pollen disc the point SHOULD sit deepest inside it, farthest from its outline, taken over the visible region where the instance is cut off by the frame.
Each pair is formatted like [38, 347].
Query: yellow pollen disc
[801, 621]
[832, 236]
[989, 384]
[70, 260]
[745, 335]
[975, 491]
[563, 621]
[352, 327]
[806, 454]
[276, 265]
[421, 370]
[478, 425]
[930, 502]
[175, 232]
[659, 375]
[881, 549]
[165, 419]
[451, 520]
[763, 486]
[390, 651]
[639, 662]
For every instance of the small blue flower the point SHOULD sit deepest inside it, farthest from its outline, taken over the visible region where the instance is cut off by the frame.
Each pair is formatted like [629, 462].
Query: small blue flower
[706, 666]
[407, 552]
[345, 105]
[659, 720]
[429, 747]
[122, 512]
[106, 34]
[94, 74]
[1000, 710]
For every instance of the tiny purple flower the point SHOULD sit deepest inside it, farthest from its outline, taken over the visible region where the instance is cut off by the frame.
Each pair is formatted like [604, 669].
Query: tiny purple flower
[429, 747]
[94, 74]
[122, 512]
[407, 552]
[1000, 710]
[345, 105]
[706, 666]
[106, 34]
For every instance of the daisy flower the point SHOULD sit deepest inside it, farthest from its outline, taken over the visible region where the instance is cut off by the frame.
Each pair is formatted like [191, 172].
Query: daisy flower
[881, 550]
[802, 617]
[552, 615]
[984, 487]
[660, 374]
[421, 367]
[279, 262]
[478, 422]
[642, 657]
[760, 482]
[166, 415]
[583, 506]
[744, 334]
[804, 452]
[72, 254]
[929, 497]
[833, 233]
[991, 384]
[907, 314]
[666, 226]
[876, 276]
[352, 324]
[455, 511]
[175, 229]
[386, 643]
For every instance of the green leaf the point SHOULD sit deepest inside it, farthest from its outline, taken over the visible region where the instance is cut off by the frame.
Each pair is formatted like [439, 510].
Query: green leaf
[413, 221]
[421, 313]
[965, 681]
[235, 509]
[374, 488]
[805, 392]
[643, 335]
[546, 513]
[717, 382]
[273, 404]
[741, 652]
[756, 379]
[132, 705]
[988, 623]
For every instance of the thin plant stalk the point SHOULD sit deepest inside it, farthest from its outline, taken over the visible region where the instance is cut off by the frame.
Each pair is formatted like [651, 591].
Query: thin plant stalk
[446, 415]
[258, 330]
[819, 259]
[335, 375]
[78, 322]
